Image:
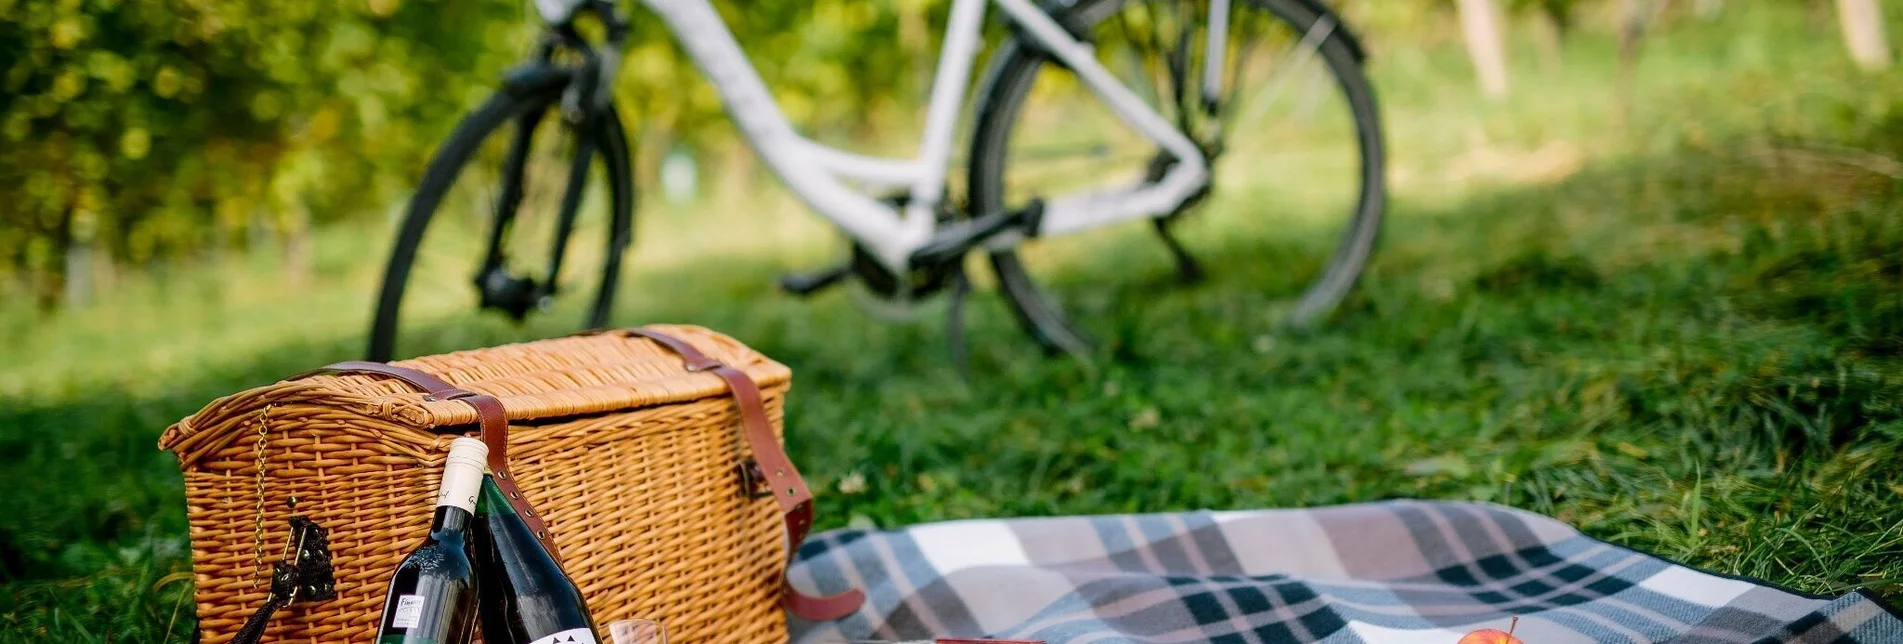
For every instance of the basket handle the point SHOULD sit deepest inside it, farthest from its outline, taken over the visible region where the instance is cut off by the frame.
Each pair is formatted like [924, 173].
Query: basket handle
[787, 487]
[495, 431]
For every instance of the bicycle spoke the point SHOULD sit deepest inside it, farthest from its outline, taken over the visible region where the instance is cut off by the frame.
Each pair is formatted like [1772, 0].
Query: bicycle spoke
[1235, 78]
[1162, 55]
[1047, 165]
[1097, 151]
[1155, 57]
[1055, 161]
[1178, 65]
[1303, 53]
[1310, 98]
[1286, 172]
[533, 226]
[1139, 44]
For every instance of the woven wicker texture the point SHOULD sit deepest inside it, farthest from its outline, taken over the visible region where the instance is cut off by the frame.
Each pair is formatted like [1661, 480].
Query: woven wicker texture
[631, 458]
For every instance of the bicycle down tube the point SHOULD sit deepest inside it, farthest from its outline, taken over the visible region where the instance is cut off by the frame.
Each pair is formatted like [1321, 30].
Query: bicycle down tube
[814, 171]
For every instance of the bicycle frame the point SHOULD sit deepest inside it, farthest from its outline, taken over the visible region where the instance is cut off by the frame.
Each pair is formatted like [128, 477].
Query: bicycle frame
[818, 173]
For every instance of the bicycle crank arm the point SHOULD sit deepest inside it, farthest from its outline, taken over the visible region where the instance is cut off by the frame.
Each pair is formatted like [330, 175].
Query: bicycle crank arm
[952, 242]
[804, 284]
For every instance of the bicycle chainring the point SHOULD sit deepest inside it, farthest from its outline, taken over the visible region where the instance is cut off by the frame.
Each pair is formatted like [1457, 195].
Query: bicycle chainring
[919, 283]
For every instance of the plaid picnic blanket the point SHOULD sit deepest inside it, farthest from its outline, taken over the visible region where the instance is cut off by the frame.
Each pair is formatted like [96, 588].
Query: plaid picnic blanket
[1402, 571]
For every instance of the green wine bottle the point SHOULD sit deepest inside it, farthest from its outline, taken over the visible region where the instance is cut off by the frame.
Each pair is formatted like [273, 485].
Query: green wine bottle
[432, 596]
[526, 598]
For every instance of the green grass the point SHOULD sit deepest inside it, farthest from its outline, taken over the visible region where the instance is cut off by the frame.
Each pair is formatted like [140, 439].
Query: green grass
[1680, 329]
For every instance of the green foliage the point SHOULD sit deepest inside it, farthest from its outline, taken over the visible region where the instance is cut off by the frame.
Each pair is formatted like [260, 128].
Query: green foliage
[153, 129]
[145, 128]
[150, 129]
[829, 63]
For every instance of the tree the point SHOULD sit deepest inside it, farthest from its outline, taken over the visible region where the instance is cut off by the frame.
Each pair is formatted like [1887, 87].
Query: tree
[1480, 26]
[1862, 22]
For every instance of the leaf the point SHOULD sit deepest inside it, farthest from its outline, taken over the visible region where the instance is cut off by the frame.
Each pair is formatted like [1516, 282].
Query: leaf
[1147, 418]
[1448, 465]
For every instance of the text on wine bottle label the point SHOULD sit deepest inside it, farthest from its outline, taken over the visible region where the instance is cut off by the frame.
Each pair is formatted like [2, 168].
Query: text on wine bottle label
[409, 611]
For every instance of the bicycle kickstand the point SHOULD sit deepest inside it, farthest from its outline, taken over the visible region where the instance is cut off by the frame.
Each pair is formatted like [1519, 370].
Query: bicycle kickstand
[955, 323]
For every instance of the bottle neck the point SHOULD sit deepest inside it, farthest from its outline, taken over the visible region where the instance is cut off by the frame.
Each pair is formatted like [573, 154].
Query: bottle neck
[450, 518]
[493, 502]
[462, 481]
[456, 494]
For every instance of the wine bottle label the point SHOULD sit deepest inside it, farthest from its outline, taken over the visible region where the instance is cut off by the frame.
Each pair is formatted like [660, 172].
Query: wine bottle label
[570, 636]
[409, 611]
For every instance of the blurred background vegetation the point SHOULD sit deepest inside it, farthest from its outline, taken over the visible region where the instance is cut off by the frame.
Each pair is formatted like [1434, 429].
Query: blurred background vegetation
[141, 134]
[138, 133]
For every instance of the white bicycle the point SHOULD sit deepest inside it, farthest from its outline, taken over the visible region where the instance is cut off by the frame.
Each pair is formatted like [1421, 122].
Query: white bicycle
[1091, 113]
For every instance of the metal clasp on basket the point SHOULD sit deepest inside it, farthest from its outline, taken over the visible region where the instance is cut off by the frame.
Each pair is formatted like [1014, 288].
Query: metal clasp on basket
[303, 575]
[307, 557]
[753, 480]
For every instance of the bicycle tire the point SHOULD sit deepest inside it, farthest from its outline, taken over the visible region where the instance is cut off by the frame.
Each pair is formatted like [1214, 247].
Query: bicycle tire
[1014, 70]
[501, 110]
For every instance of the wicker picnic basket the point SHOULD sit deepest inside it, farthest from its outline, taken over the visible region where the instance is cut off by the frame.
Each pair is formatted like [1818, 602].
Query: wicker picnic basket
[653, 458]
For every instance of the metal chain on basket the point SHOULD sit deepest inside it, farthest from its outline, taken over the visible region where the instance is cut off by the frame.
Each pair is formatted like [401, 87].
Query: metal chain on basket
[257, 532]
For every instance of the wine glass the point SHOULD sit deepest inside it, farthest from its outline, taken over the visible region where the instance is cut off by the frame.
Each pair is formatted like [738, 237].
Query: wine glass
[637, 631]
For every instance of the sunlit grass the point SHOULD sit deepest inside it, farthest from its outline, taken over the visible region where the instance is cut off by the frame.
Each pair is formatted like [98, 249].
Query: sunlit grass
[1676, 323]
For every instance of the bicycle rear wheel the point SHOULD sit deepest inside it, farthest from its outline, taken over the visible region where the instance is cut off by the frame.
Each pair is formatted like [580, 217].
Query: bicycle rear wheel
[496, 191]
[1293, 136]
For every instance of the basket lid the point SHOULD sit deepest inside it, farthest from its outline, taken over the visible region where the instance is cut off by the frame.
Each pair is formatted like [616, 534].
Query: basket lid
[567, 376]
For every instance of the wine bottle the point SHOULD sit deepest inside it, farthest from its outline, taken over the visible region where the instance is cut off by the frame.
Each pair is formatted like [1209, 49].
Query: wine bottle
[432, 596]
[526, 598]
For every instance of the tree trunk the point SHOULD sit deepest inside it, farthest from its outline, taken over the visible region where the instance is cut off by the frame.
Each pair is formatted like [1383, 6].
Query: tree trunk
[52, 283]
[105, 272]
[1635, 17]
[1862, 22]
[81, 236]
[738, 168]
[300, 264]
[1480, 26]
[78, 288]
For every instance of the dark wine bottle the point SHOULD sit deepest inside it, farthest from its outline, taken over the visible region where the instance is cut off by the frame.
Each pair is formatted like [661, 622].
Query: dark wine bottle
[526, 598]
[432, 596]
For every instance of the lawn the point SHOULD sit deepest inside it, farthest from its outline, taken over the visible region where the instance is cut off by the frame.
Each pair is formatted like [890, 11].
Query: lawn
[1674, 320]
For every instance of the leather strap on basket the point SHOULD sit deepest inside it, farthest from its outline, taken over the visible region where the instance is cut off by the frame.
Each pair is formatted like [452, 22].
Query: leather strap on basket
[495, 431]
[787, 488]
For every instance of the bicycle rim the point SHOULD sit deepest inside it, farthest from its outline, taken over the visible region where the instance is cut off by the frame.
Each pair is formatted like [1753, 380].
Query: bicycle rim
[431, 301]
[1297, 191]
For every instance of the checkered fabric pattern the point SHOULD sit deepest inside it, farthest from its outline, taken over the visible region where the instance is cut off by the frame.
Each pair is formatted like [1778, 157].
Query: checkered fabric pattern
[1403, 571]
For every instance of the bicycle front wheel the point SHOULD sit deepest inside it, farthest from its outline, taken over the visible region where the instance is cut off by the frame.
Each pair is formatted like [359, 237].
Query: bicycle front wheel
[1283, 112]
[477, 250]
